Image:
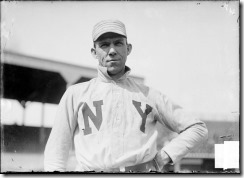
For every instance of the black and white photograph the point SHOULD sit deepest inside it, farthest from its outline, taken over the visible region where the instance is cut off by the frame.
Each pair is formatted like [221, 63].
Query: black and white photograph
[120, 87]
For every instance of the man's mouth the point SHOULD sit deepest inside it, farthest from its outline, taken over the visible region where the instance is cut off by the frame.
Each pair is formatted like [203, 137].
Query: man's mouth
[113, 60]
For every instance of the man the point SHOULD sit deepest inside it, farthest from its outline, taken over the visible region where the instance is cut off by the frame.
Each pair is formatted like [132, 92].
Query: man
[112, 120]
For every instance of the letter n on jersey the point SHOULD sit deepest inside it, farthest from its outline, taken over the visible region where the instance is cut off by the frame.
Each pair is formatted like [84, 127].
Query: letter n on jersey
[142, 114]
[97, 120]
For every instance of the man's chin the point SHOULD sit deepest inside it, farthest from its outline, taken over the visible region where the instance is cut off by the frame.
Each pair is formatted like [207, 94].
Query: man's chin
[113, 71]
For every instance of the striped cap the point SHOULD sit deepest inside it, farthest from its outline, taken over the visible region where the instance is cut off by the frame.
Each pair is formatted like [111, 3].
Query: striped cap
[110, 25]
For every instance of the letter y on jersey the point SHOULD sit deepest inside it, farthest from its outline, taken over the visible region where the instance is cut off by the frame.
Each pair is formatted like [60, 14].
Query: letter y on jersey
[142, 114]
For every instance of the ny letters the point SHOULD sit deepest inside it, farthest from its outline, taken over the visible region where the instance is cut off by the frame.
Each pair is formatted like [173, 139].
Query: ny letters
[98, 118]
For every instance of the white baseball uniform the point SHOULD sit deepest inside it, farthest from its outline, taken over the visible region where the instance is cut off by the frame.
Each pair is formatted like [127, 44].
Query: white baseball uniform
[113, 124]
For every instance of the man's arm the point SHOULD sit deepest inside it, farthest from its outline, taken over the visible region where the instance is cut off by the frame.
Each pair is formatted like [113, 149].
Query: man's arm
[59, 142]
[191, 132]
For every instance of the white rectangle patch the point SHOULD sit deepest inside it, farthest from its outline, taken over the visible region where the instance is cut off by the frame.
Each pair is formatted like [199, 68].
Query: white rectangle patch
[227, 155]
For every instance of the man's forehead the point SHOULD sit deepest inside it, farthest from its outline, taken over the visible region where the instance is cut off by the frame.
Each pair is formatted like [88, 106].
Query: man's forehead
[111, 39]
[109, 36]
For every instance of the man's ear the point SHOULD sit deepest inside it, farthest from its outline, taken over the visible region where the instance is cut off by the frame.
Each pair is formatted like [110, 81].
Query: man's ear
[129, 49]
[93, 52]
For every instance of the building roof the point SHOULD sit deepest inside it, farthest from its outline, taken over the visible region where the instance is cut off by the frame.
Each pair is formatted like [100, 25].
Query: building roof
[70, 72]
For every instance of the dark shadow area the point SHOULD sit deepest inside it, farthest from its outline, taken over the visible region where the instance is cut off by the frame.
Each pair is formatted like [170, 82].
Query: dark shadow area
[29, 84]
[23, 139]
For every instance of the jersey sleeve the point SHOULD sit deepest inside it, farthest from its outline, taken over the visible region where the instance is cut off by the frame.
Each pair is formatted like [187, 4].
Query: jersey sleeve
[191, 130]
[59, 142]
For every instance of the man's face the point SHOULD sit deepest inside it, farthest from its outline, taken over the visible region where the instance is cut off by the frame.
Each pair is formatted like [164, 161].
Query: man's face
[111, 50]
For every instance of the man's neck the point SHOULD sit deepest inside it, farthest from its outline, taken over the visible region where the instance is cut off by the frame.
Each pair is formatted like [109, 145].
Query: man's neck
[118, 75]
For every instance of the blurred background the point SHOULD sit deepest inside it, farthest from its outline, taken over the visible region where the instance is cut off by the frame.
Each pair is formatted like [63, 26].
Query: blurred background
[188, 50]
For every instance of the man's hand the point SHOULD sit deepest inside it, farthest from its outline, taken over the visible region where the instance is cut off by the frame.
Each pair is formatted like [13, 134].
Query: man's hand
[161, 159]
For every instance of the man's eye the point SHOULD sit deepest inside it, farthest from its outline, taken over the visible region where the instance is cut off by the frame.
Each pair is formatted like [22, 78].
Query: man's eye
[119, 44]
[104, 45]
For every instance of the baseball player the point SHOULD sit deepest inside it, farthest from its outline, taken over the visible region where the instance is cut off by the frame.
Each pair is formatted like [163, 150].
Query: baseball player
[112, 119]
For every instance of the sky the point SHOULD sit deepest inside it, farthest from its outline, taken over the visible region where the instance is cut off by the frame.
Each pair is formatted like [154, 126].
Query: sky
[188, 50]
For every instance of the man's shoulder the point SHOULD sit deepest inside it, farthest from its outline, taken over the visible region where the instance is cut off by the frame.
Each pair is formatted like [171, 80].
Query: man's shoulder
[143, 87]
[132, 81]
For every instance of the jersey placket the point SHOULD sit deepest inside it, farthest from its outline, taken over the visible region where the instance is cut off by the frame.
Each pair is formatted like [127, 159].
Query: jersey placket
[117, 139]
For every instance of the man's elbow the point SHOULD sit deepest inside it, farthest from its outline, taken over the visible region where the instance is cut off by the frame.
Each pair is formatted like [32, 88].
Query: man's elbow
[203, 131]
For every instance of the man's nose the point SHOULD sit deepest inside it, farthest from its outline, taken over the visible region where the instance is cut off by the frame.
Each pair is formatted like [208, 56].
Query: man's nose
[112, 51]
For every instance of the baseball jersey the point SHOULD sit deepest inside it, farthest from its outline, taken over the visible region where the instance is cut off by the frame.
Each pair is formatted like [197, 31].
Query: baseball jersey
[113, 124]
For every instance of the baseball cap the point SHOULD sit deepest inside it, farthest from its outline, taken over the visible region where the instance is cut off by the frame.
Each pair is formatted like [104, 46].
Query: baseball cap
[106, 26]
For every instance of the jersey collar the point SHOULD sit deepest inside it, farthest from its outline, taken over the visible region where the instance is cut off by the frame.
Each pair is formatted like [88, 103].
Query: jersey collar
[104, 76]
